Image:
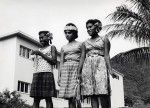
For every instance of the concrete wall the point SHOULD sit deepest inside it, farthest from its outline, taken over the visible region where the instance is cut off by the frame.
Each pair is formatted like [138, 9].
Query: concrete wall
[7, 63]
[117, 91]
[24, 67]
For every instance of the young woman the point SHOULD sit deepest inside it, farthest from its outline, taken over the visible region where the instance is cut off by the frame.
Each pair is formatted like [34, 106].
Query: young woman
[43, 85]
[70, 66]
[96, 67]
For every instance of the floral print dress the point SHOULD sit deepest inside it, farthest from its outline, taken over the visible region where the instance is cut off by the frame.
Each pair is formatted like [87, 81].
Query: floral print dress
[94, 72]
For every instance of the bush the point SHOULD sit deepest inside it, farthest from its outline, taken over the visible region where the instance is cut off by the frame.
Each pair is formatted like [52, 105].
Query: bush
[12, 100]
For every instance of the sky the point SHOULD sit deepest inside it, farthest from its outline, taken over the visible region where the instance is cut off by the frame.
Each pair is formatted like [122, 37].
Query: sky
[32, 16]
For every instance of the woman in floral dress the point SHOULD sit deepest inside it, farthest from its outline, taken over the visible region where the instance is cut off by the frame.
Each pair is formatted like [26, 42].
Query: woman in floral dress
[96, 67]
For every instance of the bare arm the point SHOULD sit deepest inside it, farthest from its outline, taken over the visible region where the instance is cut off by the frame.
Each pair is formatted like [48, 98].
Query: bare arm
[61, 63]
[81, 60]
[106, 53]
[52, 60]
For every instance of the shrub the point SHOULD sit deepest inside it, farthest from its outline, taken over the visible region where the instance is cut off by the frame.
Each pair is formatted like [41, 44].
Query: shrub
[12, 99]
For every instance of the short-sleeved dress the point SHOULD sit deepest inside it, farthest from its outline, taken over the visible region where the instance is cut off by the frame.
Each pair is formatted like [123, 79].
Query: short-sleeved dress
[43, 85]
[94, 72]
[68, 79]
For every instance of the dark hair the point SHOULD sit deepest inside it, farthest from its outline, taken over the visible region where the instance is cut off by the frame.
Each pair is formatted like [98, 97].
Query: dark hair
[47, 33]
[94, 21]
[75, 32]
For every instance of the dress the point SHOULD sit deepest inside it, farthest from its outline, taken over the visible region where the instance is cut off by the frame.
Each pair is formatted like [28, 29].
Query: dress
[43, 85]
[94, 71]
[68, 78]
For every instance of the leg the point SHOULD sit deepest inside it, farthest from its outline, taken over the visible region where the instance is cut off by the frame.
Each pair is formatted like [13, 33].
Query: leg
[49, 103]
[94, 102]
[36, 103]
[72, 103]
[78, 104]
[105, 101]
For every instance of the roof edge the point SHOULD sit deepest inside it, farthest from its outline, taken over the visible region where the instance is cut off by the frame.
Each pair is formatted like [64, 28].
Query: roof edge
[20, 35]
[117, 72]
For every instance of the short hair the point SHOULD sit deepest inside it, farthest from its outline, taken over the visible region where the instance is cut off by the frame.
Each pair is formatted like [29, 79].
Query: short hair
[94, 21]
[75, 32]
[44, 32]
[48, 34]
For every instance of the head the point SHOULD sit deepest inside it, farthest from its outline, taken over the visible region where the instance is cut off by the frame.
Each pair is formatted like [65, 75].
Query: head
[71, 32]
[93, 26]
[45, 37]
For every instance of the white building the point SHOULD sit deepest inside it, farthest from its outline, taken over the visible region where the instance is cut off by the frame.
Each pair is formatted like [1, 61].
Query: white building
[117, 90]
[17, 70]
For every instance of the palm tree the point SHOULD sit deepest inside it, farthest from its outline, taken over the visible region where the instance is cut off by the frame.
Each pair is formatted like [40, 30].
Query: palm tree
[132, 23]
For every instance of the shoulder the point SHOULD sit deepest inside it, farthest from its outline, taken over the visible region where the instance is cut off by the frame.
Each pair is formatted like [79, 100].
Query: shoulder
[101, 38]
[84, 42]
[79, 43]
[107, 42]
[104, 38]
[52, 46]
[63, 47]
[53, 49]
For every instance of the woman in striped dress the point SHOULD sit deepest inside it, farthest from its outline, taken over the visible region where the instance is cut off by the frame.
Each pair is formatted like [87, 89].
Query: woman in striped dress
[96, 67]
[70, 66]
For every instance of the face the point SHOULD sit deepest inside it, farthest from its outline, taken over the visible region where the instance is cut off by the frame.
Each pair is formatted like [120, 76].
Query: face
[43, 39]
[69, 35]
[91, 29]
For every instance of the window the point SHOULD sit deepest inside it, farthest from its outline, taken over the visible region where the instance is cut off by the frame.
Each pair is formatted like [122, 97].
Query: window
[25, 52]
[23, 86]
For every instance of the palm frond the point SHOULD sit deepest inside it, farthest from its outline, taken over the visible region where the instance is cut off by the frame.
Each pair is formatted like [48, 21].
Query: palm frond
[133, 25]
[123, 14]
[137, 31]
[143, 6]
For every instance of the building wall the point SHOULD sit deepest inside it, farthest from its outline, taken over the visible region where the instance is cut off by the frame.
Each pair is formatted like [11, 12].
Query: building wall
[24, 66]
[117, 91]
[7, 63]
[23, 69]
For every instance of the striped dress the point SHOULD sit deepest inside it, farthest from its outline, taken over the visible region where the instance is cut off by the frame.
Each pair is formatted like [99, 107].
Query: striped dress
[94, 71]
[68, 71]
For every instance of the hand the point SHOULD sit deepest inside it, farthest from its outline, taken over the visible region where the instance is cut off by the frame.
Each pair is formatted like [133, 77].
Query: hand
[110, 71]
[79, 77]
[58, 82]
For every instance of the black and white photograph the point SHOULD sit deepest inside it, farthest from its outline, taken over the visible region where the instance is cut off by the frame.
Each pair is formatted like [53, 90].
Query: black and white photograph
[74, 53]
